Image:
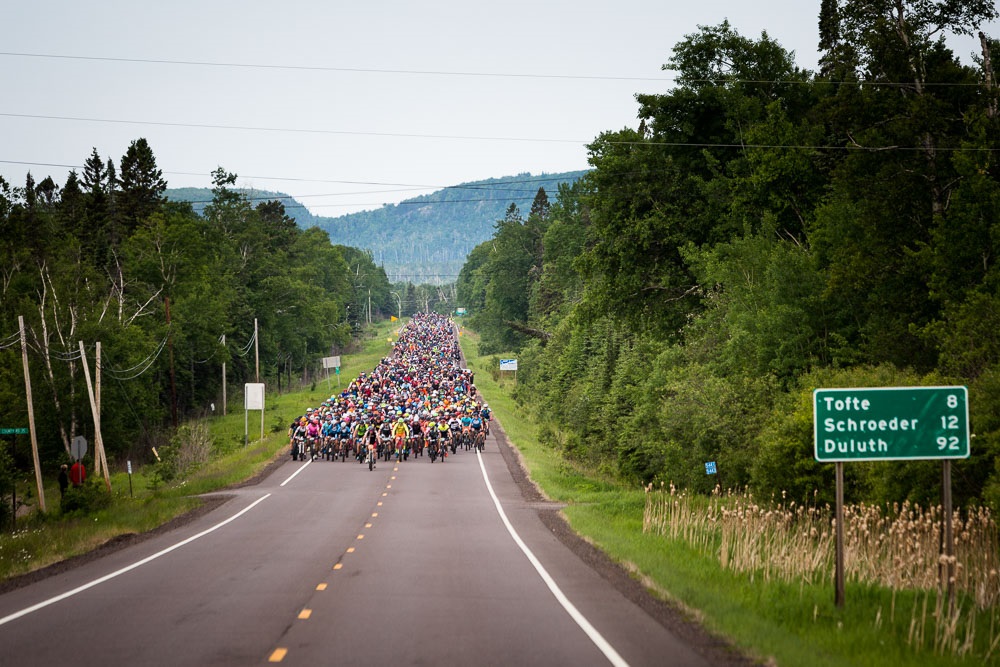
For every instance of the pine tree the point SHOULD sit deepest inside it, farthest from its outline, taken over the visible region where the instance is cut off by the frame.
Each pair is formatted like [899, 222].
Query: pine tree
[142, 186]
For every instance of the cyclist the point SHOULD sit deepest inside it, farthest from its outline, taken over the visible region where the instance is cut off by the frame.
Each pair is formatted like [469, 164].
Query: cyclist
[400, 433]
[433, 440]
[478, 436]
[486, 416]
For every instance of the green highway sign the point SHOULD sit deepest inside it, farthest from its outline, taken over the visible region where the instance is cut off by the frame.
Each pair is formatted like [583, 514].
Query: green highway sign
[891, 424]
[13, 431]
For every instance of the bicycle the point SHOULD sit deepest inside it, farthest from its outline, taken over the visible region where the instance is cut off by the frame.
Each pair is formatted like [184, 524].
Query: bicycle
[371, 459]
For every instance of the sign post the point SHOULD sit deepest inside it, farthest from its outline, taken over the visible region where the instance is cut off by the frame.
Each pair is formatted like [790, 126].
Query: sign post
[891, 424]
[509, 365]
[253, 399]
[334, 363]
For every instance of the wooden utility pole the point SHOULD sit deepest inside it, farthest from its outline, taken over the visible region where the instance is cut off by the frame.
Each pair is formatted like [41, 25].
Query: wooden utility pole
[256, 351]
[223, 379]
[170, 345]
[99, 456]
[31, 418]
[98, 459]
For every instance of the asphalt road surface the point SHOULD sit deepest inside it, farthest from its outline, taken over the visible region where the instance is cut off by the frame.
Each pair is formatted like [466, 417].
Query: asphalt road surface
[328, 563]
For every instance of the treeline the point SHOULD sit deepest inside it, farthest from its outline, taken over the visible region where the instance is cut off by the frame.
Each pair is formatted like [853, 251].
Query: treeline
[766, 231]
[170, 295]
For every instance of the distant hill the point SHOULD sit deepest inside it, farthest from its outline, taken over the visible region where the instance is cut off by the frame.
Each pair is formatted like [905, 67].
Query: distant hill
[425, 239]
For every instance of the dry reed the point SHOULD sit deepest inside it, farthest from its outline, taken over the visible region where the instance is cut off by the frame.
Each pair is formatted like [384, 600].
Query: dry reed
[898, 547]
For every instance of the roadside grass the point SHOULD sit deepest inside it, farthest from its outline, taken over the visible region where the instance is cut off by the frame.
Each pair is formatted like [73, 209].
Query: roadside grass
[788, 624]
[43, 539]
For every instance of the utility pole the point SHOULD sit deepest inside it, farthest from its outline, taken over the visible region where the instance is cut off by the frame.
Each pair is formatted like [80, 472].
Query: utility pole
[398, 303]
[97, 401]
[99, 456]
[223, 379]
[31, 419]
[170, 345]
[256, 351]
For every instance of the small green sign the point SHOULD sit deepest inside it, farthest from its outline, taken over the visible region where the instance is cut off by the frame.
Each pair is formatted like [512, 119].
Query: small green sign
[13, 431]
[891, 423]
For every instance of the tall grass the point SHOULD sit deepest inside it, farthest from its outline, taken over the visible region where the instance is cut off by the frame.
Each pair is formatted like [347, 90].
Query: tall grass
[896, 547]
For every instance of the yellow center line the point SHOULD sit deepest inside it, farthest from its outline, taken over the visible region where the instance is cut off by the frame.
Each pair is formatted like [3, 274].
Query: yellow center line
[361, 537]
[304, 614]
[321, 587]
[350, 550]
[278, 655]
[338, 566]
[368, 525]
[374, 514]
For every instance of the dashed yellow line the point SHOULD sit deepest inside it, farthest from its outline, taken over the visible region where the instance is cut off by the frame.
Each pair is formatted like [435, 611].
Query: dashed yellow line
[321, 587]
[350, 550]
[305, 614]
[278, 655]
[375, 514]
[368, 525]
[338, 566]
[361, 537]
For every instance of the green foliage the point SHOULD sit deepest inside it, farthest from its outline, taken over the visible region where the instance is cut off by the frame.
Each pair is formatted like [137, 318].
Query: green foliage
[170, 296]
[86, 498]
[728, 256]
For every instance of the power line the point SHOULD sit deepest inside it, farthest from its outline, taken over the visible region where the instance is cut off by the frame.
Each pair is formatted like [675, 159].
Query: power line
[680, 78]
[294, 130]
[319, 68]
[644, 142]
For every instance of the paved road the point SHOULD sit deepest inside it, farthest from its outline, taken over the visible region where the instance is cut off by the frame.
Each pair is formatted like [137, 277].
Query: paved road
[327, 563]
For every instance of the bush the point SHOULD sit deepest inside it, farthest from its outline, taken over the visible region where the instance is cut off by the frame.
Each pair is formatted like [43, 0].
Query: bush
[86, 498]
[188, 450]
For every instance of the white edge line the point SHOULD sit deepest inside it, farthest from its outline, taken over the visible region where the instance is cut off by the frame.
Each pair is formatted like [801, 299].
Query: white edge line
[609, 652]
[128, 568]
[292, 476]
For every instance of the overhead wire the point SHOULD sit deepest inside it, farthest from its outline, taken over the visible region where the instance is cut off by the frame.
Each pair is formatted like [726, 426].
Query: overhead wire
[147, 363]
[644, 142]
[680, 78]
[10, 341]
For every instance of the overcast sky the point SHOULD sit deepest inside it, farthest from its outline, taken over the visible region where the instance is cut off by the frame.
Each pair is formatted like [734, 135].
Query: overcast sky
[346, 105]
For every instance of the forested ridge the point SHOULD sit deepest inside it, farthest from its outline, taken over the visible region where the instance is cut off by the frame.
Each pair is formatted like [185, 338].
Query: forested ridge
[422, 239]
[765, 231]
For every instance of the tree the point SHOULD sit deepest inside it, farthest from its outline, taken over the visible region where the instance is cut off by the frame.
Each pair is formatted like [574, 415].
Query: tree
[142, 186]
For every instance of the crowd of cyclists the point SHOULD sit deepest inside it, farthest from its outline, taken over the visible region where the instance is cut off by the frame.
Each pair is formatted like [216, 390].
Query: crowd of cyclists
[418, 401]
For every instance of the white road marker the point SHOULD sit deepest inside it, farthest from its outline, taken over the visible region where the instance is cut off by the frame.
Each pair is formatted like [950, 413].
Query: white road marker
[129, 568]
[602, 644]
